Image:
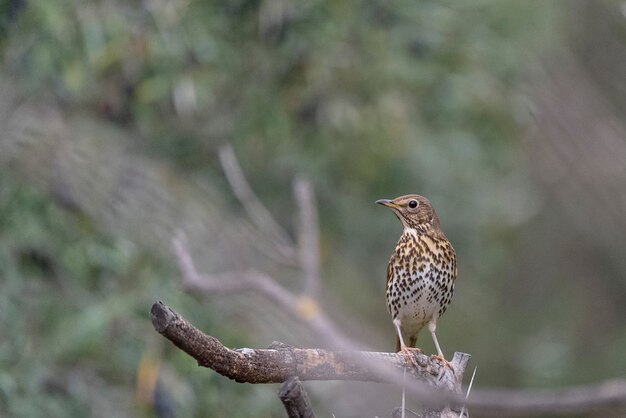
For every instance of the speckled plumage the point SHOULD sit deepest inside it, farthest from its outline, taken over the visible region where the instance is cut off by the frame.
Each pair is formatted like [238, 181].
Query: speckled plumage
[421, 271]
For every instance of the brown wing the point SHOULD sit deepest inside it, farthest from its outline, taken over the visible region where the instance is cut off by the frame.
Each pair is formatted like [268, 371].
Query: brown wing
[389, 271]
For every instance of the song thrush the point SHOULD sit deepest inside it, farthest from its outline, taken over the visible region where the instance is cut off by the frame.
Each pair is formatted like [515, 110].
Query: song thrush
[421, 271]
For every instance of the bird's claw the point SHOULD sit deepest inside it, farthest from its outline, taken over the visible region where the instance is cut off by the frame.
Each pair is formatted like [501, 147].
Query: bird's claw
[445, 363]
[408, 354]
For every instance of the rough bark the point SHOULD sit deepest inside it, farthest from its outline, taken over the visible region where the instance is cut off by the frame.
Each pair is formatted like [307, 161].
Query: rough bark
[279, 362]
[295, 399]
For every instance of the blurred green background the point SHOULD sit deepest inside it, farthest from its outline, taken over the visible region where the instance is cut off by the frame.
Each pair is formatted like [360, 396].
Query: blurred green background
[508, 115]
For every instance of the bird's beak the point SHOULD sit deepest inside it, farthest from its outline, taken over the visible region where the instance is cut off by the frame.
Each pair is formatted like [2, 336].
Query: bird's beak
[388, 203]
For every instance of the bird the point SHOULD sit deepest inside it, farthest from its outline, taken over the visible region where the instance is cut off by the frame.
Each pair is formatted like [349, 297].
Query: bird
[421, 272]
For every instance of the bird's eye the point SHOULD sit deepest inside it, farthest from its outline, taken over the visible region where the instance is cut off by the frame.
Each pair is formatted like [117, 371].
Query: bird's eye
[413, 204]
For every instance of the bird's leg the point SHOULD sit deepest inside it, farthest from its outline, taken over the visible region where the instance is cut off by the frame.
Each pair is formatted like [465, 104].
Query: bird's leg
[406, 351]
[396, 323]
[432, 326]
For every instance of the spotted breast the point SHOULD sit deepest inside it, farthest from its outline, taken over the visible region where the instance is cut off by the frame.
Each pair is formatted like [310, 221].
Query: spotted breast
[421, 272]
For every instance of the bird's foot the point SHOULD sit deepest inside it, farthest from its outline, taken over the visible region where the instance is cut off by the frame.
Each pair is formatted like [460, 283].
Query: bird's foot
[445, 363]
[409, 354]
[441, 358]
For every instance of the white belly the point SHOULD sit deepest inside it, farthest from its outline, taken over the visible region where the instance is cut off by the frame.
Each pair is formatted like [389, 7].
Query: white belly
[417, 312]
[414, 299]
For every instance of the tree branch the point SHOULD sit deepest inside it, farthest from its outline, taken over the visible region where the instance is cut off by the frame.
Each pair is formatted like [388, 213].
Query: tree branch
[608, 398]
[308, 236]
[302, 307]
[259, 214]
[295, 399]
[279, 362]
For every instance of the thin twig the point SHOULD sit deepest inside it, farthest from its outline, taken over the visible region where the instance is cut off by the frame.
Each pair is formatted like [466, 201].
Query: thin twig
[607, 397]
[301, 307]
[257, 212]
[469, 389]
[308, 236]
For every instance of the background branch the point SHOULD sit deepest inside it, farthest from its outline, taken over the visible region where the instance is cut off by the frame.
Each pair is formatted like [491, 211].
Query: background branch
[607, 397]
[308, 235]
[257, 212]
[295, 399]
[301, 307]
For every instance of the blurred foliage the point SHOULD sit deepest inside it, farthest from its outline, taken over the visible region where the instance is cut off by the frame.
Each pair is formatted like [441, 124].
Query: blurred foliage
[370, 99]
[74, 303]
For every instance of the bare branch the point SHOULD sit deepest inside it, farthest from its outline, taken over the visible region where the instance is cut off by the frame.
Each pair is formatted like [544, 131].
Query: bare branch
[280, 361]
[608, 398]
[228, 282]
[295, 399]
[302, 307]
[308, 236]
[257, 212]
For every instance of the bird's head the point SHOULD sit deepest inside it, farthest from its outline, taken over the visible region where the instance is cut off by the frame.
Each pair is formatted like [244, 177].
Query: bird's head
[414, 211]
